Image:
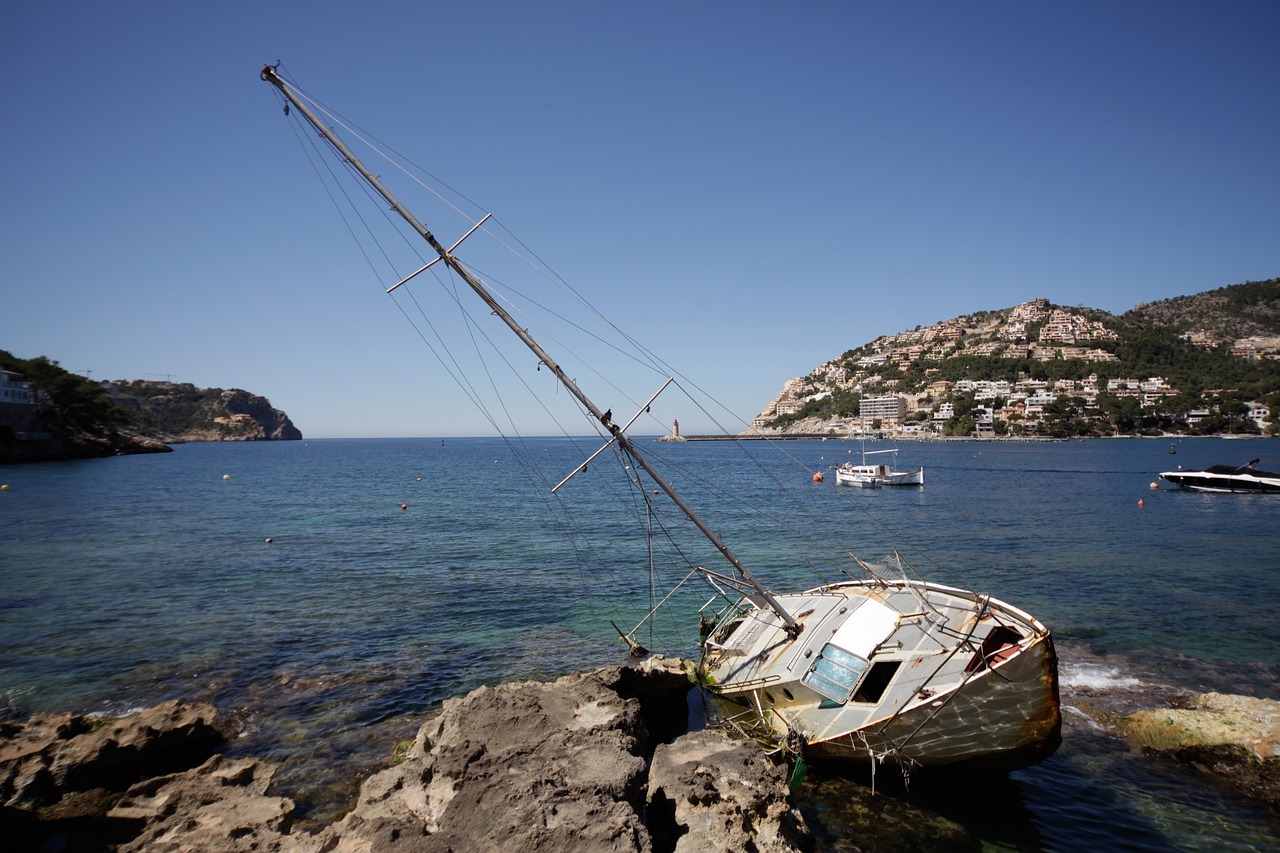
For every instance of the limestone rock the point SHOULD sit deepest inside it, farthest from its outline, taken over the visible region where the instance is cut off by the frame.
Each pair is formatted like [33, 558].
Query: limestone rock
[54, 755]
[219, 806]
[559, 767]
[1210, 719]
[1232, 738]
[524, 767]
[714, 794]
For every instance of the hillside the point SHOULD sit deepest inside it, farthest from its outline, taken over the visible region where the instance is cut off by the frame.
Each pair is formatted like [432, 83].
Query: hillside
[48, 413]
[1228, 314]
[1209, 362]
[183, 412]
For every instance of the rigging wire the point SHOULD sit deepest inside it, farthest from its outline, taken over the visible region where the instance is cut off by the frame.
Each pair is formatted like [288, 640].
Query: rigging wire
[510, 433]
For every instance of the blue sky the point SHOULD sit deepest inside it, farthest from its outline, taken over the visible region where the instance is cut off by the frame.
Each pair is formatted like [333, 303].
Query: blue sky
[750, 188]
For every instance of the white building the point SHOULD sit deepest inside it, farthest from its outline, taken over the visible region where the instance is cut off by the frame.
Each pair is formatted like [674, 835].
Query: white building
[886, 408]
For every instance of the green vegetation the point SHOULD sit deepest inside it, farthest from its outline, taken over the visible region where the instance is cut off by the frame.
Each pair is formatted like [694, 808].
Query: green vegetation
[73, 417]
[168, 409]
[1188, 342]
[68, 405]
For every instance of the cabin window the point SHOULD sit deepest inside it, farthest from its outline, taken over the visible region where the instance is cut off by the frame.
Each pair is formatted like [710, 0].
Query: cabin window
[835, 672]
[877, 681]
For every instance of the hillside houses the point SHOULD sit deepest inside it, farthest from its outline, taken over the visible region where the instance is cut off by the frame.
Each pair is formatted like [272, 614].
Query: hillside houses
[1068, 328]
[897, 385]
[999, 406]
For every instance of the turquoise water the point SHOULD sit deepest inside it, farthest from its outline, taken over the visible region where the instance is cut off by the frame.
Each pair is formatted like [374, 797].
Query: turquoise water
[402, 572]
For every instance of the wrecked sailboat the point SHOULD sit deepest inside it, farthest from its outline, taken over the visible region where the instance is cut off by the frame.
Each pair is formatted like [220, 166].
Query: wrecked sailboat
[882, 668]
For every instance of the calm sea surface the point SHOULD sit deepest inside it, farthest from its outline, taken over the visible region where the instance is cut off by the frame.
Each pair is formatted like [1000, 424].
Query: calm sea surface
[402, 572]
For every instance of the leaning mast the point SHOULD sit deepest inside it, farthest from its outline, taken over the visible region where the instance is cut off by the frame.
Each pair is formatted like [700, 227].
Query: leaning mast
[761, 597]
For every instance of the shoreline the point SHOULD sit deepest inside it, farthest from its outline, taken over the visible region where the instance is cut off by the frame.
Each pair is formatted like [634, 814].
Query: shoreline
[533, 766]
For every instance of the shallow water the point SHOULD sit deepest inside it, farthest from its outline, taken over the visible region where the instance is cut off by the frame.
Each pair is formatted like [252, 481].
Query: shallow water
[127, 581]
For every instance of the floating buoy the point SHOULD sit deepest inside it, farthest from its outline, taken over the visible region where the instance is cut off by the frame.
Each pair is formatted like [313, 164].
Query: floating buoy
[268, 540]
[419, 480]
[1155, 485]
[655, 491]
[1141, 502]
[226, 476]
[817, 477]
[4, 488]
[403, 507]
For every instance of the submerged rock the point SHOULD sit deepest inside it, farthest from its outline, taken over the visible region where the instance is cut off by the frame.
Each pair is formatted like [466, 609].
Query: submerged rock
[1210, 719]
[1233, 738]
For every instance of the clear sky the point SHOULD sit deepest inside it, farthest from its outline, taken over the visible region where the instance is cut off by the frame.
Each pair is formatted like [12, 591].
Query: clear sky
[751, 188]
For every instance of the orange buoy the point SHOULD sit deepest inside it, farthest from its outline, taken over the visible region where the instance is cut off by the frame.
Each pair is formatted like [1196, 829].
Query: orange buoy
[404, 507]
[1141, 502]
[1155, 485]
[226, 476]
[817, 477]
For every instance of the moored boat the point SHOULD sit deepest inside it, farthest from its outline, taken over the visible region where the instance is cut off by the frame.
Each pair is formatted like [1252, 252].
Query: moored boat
[1224, 478]
[872, 475]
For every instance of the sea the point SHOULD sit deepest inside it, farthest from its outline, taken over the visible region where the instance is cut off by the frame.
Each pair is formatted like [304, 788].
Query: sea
[327, 595]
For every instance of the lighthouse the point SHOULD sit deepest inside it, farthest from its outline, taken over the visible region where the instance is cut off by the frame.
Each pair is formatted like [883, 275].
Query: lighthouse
[675, 425]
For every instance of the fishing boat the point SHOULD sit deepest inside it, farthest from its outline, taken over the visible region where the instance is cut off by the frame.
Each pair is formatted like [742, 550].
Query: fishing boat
[882, 666]
[872, 475]
[1224, 478]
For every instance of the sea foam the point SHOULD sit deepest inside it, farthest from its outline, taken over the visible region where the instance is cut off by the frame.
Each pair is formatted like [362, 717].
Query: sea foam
[1097, 677]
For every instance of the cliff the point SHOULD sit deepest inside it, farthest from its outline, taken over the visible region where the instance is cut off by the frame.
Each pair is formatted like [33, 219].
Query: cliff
[182, 412]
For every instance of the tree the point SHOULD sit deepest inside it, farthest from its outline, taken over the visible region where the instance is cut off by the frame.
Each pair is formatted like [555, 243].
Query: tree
[1121, 413]
[68, 404]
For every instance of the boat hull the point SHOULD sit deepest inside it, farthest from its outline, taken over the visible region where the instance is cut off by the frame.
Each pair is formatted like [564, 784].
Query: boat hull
[1017, 706]
[1221, 478]
[873, 478]
[949, 678]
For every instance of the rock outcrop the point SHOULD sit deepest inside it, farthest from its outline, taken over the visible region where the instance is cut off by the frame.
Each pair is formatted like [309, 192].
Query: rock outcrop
[709, 794]
[52, 757]
[1233, 738]
[220, 805]
[590, 762]
[112, 442]
[183, 412]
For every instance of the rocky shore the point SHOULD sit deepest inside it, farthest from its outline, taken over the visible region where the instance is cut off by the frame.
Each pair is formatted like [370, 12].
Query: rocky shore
[597, 761]
[591, 762]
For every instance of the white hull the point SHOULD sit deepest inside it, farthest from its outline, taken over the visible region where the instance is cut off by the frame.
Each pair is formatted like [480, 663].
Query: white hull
[873, 476]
